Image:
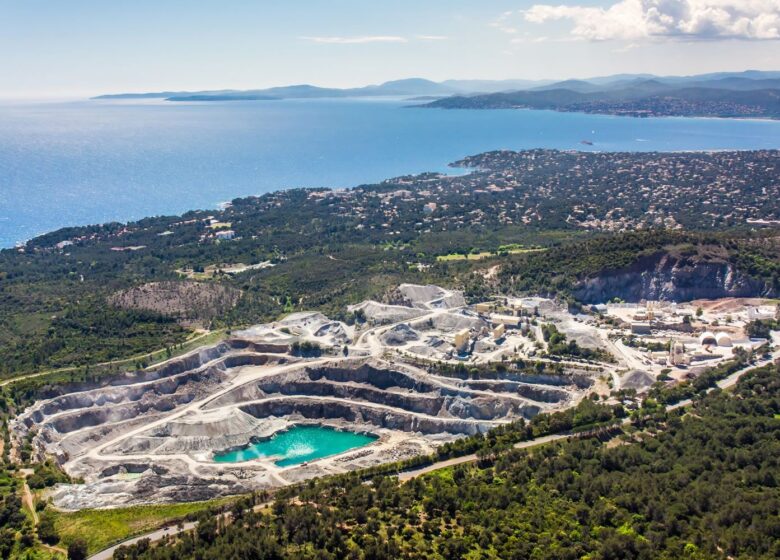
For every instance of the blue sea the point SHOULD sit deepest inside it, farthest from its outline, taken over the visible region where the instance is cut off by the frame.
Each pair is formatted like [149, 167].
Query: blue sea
[89, 162]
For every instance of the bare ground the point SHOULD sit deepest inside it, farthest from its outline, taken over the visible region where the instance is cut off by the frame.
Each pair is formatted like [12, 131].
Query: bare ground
[193, 303]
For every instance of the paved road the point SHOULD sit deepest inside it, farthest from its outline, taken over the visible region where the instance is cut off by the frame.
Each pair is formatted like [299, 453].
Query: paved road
[732, 379]
[414, 473]
[154, 536]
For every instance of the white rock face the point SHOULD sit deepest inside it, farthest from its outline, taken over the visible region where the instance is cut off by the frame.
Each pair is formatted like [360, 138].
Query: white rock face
[210, 424]
[430, 297]
[399, 335]
[379, 313]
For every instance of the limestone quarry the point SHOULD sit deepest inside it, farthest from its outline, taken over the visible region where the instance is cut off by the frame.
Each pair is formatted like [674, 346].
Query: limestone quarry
[400, 373]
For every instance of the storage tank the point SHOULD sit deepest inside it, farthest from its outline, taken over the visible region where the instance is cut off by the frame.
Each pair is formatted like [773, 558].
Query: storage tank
[708, 339]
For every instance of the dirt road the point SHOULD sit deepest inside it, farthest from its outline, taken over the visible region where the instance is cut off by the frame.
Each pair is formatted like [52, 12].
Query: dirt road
[109, 363]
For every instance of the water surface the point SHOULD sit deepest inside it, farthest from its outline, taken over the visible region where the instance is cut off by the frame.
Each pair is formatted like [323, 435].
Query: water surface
[96, 161]
[297, 445]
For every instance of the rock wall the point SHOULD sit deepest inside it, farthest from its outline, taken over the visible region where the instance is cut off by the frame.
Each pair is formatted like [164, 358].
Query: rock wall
[252, 353]
[672, 278]
[358, 413]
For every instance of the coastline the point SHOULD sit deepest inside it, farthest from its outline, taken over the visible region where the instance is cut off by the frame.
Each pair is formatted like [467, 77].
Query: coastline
[598, 113]
[453, 166]
[141, 176]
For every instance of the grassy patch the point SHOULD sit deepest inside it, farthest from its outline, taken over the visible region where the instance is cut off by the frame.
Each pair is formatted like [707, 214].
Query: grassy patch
[512, 249]
[445, 474]
[196, 341]
[38, 552]
[7, 483]
[523, 251]
[462, 257]
[27, 324]
[103, 528]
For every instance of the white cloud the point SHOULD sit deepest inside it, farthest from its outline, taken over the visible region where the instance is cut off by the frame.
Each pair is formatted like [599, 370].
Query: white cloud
[502, 23]
[528, 39]
[626, 48]
[357, 40]
[363, 39]
[682, 19]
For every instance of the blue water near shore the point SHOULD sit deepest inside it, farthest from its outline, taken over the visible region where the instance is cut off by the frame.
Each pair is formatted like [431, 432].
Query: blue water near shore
[297, 445]
[95, 161]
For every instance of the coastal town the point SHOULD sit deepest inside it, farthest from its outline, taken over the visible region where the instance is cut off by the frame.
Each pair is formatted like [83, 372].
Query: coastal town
[597, 191]
[534, 189]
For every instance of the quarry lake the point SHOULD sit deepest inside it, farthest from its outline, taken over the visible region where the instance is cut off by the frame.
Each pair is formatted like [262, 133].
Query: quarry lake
[89, 162]
[297, 445]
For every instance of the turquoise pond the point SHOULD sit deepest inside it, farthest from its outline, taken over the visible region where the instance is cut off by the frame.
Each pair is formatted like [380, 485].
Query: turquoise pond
[297, 445]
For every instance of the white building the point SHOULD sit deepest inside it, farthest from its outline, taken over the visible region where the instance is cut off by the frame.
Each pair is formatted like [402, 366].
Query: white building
[225, 235]
[506, 320]
[640, 328]
[462, 341]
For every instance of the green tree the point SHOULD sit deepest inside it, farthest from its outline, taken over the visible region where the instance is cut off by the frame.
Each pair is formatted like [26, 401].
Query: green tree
[77, 550]
[47, 532]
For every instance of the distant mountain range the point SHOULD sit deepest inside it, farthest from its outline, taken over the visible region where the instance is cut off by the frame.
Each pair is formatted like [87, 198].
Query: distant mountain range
[734, 94]
[409, 87]
[744, 95]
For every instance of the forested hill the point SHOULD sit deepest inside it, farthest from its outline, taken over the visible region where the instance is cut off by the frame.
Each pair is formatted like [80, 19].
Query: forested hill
[695, 484]
[649, 99]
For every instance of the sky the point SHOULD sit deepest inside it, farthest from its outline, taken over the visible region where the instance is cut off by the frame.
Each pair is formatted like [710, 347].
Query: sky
[73, 48]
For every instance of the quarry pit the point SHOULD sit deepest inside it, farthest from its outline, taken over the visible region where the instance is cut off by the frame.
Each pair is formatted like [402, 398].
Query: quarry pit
[399, 376]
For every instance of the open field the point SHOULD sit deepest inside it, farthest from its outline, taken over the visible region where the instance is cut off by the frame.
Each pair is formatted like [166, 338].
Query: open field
[210, 271]
[103, 528]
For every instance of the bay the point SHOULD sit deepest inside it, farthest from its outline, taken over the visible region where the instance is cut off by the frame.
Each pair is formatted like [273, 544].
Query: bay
[79, 163]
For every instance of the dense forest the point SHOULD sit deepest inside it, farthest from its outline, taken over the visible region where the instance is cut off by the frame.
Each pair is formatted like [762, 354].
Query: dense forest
[692, 483]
